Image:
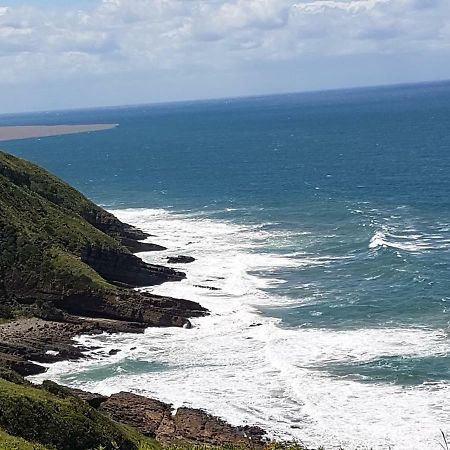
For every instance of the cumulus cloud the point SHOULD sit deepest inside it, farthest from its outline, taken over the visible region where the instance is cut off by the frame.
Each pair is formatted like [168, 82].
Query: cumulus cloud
[120, 36]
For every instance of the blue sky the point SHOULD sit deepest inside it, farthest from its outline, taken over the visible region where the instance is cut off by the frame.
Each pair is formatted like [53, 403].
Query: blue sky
[67, 53]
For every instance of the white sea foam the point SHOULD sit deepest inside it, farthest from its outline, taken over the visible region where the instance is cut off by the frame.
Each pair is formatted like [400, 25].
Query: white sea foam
[407, 242]
[245, 367]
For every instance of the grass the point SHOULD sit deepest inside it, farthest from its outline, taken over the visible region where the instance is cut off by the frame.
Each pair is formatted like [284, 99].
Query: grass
[53, 418]
[44, 227]
[46, 185]
[8, 442]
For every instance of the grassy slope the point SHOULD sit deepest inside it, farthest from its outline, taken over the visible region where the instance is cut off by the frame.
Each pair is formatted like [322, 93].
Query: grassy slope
[48, 186]
[44, 225]
[8, 442]
[42, 233]
[56, 419]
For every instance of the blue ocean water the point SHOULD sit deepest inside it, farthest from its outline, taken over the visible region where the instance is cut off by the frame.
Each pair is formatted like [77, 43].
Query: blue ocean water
[324, 218]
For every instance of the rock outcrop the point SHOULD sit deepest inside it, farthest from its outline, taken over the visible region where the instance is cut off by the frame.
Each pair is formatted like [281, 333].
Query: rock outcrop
[117, 266]
[180, 259]
[156, 419]
[61, 252]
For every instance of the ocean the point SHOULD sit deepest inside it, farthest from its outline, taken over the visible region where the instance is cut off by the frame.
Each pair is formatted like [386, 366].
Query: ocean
[322, 220]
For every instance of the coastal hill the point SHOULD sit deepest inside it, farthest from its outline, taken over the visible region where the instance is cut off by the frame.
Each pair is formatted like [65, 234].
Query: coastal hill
[65, 259]
[67, 267]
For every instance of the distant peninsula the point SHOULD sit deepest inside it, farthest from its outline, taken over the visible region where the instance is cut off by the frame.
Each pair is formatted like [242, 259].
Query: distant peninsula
[11, 133]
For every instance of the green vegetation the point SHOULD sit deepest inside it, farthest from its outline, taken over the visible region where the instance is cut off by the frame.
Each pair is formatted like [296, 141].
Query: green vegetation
[54, 418]
[46, 185]
[9, 442]
[44, 227]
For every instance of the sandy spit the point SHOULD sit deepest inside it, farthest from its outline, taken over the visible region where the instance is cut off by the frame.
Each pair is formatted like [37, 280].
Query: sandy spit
[10, 133]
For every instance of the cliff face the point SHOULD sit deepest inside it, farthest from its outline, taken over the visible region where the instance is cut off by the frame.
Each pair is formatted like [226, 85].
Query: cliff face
[59, 251]
[69, 263]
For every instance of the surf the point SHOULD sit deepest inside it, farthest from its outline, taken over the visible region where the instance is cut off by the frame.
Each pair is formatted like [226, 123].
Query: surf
[250, 368]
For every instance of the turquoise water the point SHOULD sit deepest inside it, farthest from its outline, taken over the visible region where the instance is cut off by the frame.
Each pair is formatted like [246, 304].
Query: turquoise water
[343, 195]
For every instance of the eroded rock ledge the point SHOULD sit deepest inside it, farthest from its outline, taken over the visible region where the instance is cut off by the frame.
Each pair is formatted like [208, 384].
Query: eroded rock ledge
[47, 341]
[157, 419]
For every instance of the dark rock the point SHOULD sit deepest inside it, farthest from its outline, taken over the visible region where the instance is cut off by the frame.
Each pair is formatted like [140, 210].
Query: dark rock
[155, 419]
[254, 433]
[211, 288]
[139, 246]
[94, 400]
[20, 365]
[115, 265]
[181, 259]
[50, 341]
[113, 351]
[134, 307]
[112, 226]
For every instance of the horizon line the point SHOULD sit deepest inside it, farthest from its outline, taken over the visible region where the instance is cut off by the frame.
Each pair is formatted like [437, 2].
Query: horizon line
[217, 99]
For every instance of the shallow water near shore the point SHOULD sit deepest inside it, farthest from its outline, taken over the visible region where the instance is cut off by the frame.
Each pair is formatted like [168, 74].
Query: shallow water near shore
[324, 222]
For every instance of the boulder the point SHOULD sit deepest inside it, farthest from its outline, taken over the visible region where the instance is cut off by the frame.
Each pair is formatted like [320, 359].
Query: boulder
[180, 259]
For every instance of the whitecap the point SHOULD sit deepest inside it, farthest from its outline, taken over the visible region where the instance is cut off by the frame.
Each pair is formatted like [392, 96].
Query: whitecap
[267, 374]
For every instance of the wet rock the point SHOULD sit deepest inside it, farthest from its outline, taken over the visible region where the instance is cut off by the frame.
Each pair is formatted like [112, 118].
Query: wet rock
[180, 259]
[139, 246]
[131, 308]
[20, 365]
[117, 266]
[211, 288]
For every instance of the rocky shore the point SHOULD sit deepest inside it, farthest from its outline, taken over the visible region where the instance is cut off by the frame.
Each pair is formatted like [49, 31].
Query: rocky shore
[25, 343]
[158, 420]
[67, 267]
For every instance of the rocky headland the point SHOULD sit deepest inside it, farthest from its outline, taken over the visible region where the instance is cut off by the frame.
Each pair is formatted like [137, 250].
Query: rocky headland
[67, 267]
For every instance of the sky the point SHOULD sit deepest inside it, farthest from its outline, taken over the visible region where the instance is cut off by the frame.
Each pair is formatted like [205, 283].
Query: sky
[61, 54]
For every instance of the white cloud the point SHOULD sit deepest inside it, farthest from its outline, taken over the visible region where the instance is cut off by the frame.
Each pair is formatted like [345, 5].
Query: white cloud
[198, 36]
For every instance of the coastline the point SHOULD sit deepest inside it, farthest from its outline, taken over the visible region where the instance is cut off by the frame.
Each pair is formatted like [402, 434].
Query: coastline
[68, 268]
[226, 362]
[211, 291]
[324, 345]
[12, 133]
[27, 343]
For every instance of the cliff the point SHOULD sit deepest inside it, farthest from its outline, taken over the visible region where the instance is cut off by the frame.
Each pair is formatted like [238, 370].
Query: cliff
[62, 256]
[67, 267]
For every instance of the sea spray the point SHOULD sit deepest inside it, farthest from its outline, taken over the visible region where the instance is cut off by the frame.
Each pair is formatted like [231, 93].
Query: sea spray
[250, 369]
